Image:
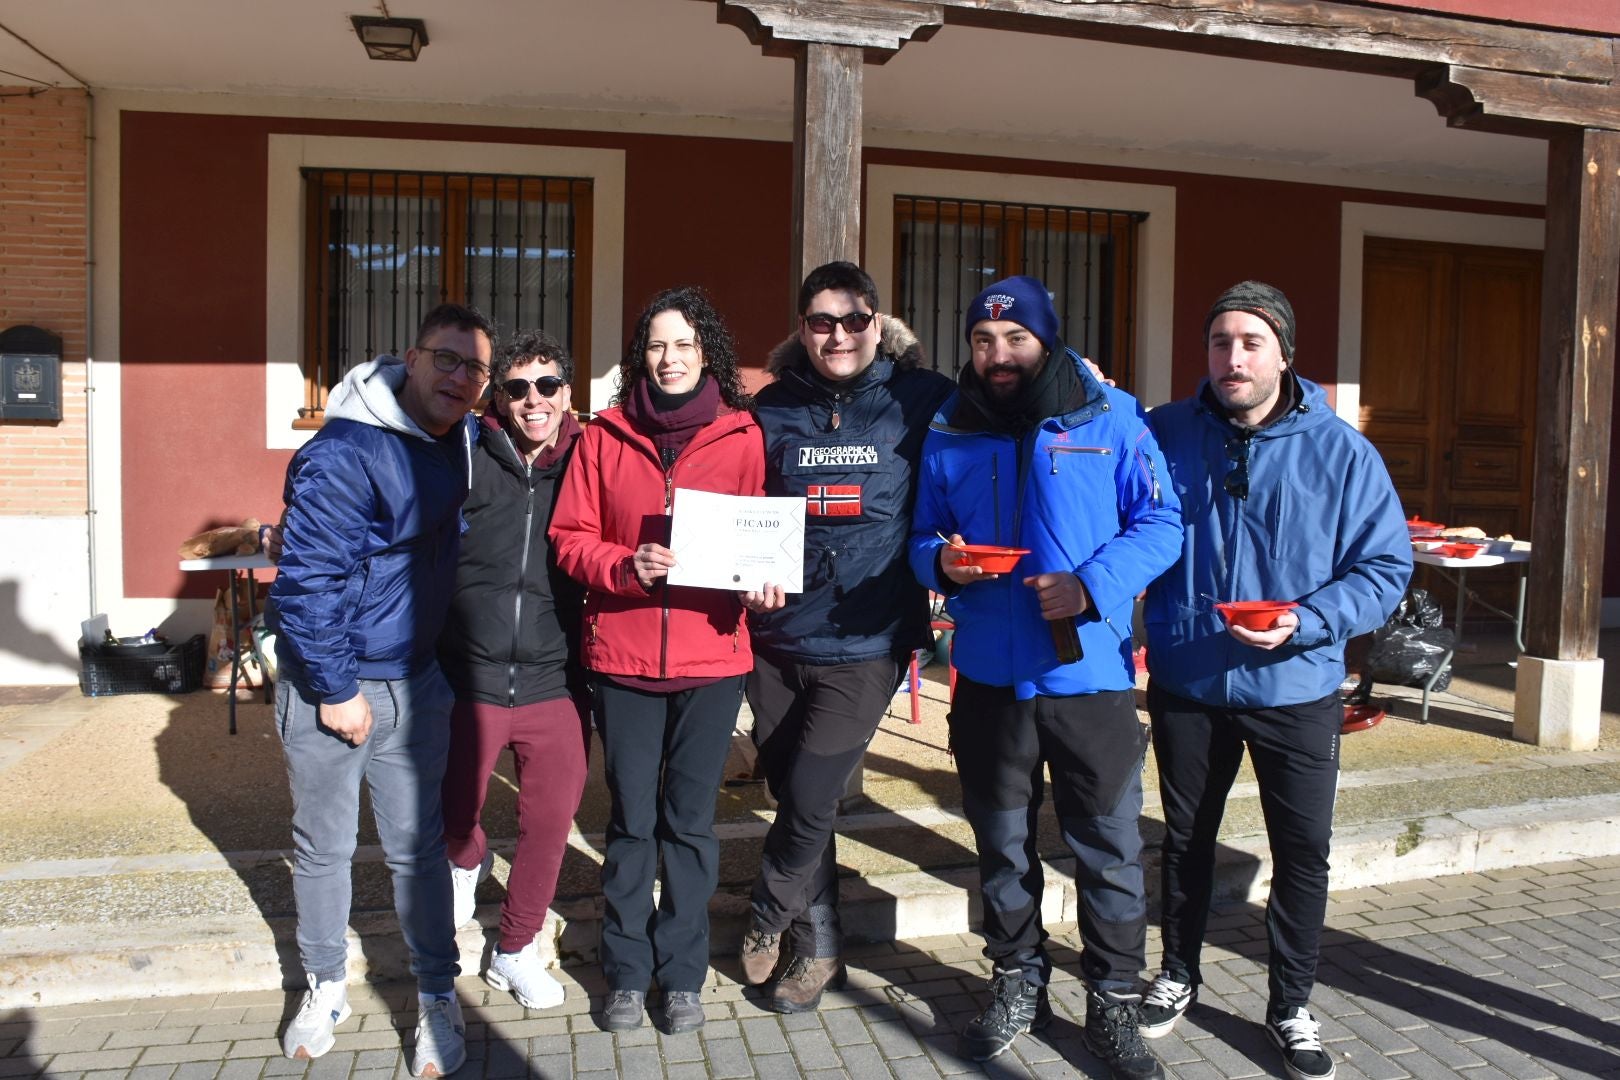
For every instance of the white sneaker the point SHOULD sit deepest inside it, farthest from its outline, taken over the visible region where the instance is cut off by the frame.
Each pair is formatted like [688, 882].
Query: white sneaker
[441, 1036]
[464, 884]
[524, 974]
[325, 1006]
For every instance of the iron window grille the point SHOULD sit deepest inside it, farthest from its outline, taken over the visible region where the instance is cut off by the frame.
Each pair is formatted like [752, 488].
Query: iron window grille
[384, 248]
[950, 249]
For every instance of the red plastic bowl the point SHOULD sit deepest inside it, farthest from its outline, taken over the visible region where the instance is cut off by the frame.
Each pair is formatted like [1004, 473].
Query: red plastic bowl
[1460, 551]
[1414, 525]
[1360, 718]
[992, 558]
[1254, 614]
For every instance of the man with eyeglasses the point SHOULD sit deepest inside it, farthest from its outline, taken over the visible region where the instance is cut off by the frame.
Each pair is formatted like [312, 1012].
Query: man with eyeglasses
[510, 649]
[843, 425]
[1035, 453]
[369, 542]
[1282, 501]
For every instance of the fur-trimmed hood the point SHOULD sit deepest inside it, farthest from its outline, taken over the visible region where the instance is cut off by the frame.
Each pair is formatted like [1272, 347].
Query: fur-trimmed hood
[898, 342]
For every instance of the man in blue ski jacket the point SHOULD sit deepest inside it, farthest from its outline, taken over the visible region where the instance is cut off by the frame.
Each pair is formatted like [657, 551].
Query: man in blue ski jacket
[1283, 501]
[368, 562]
[1033, 452]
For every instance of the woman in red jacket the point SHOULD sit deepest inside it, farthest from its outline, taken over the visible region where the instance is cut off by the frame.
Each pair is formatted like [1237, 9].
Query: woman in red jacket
[667, 661]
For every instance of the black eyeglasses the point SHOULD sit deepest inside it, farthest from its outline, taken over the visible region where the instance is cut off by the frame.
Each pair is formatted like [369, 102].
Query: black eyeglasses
[1237, 481]
[518, 389]
[447, 361]
[853, 323]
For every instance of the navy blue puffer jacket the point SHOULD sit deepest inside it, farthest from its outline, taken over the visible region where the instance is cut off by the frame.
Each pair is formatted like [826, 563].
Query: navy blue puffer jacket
[851, 451]
[369, 541]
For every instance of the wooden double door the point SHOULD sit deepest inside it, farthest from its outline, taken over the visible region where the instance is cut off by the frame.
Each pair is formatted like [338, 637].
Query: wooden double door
[1448, 391]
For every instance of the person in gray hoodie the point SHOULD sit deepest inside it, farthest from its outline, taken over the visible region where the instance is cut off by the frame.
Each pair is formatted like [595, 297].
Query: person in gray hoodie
[369, 544]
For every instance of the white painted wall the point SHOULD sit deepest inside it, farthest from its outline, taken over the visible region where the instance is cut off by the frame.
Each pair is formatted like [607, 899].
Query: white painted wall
[44, 593]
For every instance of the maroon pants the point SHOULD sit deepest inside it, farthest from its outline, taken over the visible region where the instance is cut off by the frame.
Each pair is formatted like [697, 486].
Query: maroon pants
[550, 743]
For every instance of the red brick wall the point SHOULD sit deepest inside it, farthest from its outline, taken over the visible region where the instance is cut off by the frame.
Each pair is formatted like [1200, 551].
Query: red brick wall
[43, 238]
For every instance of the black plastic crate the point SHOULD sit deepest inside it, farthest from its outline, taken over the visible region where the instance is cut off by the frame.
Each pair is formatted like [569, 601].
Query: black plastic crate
[175, 670]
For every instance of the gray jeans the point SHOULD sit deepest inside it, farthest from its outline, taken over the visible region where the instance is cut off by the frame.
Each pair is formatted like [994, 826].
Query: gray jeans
[403, 764]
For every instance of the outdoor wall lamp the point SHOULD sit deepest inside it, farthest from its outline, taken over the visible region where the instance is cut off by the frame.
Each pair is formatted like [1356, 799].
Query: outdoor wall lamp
[390, 38]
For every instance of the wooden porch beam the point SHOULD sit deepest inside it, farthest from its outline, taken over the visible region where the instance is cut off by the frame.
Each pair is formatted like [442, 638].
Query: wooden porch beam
[877, 27]
[1507, 103]
[1344, 35]
[826, 157]
[1580, 283]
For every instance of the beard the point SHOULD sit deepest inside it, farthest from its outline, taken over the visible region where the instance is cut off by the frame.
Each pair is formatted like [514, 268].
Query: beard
[1247, 394]
[1009, 390]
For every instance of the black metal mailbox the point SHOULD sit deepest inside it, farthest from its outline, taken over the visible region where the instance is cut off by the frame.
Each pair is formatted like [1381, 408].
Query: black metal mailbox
[30, 374]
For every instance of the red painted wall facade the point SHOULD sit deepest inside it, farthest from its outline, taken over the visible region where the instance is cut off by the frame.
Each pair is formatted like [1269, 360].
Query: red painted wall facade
[1601, 16]
[713, 212]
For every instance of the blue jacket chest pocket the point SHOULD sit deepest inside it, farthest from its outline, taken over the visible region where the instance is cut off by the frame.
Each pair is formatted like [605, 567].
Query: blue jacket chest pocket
[1061, 457]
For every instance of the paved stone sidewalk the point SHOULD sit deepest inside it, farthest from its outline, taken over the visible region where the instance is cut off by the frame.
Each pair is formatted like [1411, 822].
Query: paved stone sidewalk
[1508, 974]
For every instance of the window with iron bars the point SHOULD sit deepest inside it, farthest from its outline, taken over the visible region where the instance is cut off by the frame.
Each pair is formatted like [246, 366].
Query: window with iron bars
[950, 249]
[385, 248]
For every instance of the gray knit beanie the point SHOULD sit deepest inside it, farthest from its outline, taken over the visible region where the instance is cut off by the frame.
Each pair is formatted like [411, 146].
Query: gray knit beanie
[1262, 301]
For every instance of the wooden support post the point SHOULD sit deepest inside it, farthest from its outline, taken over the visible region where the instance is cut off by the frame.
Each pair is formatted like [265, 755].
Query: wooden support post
[1561, 676]
[826, 158]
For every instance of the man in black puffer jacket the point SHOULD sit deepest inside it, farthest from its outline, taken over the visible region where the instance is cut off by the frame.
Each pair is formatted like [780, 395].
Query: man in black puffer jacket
[844, 424]
[510, 648]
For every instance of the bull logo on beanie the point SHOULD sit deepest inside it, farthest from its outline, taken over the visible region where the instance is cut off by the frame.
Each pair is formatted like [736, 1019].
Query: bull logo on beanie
[996, 303]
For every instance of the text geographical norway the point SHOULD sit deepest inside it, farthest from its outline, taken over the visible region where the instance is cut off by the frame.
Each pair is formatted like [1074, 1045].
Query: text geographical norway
[830, 457]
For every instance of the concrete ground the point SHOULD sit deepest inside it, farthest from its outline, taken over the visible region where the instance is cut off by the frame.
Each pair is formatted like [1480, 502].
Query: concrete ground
[1506, 974]
[143, 847]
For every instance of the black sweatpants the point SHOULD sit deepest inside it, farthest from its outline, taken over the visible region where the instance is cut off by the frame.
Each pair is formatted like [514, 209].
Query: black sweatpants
[664, 756]
[812, 724]
[1295, 753]
[1093, 745]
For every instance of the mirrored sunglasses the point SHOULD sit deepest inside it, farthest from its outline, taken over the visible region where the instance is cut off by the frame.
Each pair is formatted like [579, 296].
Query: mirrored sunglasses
[853, 323]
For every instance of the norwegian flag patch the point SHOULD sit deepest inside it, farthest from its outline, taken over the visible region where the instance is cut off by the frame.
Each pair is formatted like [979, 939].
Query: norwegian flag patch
[833, 500]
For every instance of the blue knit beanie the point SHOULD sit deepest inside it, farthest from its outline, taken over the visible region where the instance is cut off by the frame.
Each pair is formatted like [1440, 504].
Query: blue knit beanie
[1022, 300]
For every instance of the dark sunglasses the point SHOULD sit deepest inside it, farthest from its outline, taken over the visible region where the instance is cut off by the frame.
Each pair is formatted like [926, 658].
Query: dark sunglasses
[1237, 481]
[447, 361]
[853, 323]
[518, 389]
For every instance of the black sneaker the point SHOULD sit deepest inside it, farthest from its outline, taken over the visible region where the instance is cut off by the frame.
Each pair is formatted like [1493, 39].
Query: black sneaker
[1166, 1000]
[1298, 1036]
[623, 1009]
[1112, 1033]
[683, 1011]
[1016, 1006]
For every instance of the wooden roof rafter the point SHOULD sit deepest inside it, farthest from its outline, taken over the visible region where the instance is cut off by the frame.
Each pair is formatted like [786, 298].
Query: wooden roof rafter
[1479, 74]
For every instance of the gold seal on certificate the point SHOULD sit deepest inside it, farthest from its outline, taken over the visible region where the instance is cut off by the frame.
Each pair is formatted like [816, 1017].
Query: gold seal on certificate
[737, 542]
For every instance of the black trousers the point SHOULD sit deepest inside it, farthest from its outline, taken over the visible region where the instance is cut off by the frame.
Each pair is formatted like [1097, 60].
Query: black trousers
[812, 724]
[1093, 745]
[664, 756]
[1295, 753]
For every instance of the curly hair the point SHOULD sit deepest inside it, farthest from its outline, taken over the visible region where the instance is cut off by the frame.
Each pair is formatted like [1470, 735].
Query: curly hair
[719, 350]
[526, 345]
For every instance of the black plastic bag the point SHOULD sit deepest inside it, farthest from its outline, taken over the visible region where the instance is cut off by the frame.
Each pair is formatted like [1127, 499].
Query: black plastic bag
[1412, 645]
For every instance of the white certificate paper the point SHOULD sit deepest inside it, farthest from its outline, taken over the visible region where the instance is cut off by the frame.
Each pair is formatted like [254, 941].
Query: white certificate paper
[736, 542]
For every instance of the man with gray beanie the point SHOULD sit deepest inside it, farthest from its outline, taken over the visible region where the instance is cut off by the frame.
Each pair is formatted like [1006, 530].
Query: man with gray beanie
[1282, 501]
[1034, 453]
